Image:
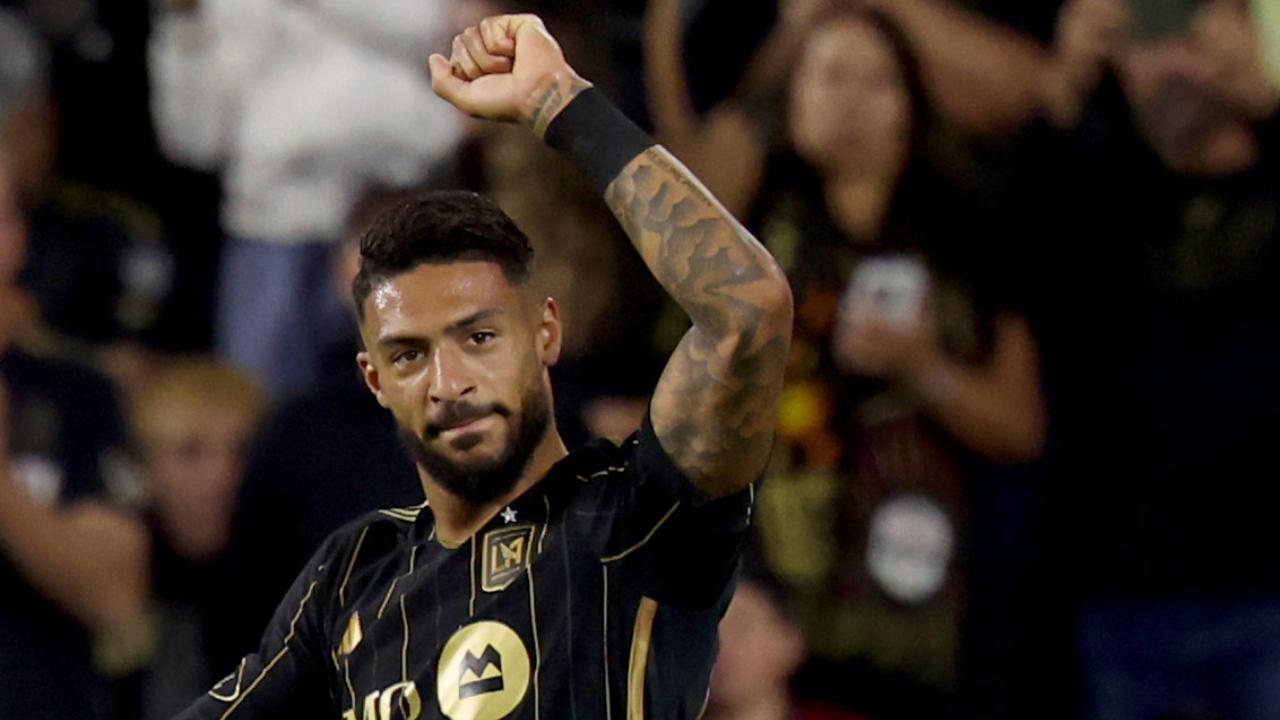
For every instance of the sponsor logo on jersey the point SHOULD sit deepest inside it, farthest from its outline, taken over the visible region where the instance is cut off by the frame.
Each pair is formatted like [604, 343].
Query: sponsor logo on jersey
[483, 672]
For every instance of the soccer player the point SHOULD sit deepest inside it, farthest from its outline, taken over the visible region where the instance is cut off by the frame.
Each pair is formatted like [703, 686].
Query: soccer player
[535, 582]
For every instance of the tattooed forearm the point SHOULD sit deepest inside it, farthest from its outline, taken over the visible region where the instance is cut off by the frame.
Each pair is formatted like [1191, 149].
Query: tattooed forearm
[704, 258]
[716, 404]
[547, 102]
[719, 428]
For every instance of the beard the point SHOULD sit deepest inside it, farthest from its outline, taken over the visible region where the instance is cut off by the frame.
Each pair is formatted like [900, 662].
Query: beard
[482, 481]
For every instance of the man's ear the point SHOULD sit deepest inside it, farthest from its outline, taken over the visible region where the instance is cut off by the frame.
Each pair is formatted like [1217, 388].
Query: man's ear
[550, 334]
[369, 372]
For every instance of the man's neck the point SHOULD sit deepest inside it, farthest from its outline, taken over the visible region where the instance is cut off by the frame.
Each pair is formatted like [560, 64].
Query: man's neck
[458, 519]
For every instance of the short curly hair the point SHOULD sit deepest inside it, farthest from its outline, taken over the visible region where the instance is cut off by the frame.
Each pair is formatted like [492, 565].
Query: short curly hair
[440, 226]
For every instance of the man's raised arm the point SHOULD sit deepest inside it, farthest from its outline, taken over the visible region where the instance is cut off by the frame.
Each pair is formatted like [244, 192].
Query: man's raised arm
[715, 408]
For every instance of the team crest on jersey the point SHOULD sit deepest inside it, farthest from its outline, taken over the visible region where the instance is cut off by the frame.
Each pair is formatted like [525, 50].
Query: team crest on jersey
[483, 672]
[506, 554]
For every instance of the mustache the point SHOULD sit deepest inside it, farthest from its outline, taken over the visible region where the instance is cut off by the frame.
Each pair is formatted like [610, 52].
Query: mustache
[455, 414]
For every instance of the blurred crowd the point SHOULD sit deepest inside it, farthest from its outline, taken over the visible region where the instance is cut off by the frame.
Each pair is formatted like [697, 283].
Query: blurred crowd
[1021, 468]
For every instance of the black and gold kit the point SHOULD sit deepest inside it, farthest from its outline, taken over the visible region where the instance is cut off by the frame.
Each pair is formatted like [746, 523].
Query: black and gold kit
[595, 595]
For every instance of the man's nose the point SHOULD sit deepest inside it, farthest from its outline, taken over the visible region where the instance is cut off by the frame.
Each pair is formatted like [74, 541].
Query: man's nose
[449, 379]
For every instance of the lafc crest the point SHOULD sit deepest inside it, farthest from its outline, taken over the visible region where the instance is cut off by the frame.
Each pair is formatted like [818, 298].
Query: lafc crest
[507, 553]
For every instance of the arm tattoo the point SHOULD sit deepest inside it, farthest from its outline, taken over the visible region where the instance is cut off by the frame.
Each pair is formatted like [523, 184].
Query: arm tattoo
[715, 407]
[548, 101]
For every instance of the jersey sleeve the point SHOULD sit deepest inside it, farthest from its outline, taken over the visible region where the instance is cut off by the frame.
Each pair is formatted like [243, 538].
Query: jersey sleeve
[677, 545]
[286, 676]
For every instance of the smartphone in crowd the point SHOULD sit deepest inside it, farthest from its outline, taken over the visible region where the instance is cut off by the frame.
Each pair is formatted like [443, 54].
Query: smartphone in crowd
[892, 288]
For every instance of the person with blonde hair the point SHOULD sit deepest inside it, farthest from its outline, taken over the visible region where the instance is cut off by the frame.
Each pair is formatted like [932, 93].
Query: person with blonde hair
[193, 420]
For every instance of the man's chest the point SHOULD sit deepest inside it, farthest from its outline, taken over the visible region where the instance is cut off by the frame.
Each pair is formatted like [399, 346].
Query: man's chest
[486, 630]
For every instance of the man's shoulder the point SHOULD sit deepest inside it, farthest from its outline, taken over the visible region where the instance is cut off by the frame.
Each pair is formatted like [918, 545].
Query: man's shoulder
[601, 457]
[612, 470]
[594, 473]
[378, 532]
[389, 521]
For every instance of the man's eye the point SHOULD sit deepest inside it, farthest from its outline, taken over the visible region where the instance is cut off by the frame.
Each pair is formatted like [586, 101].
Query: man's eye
[482, 337]
[405, 357]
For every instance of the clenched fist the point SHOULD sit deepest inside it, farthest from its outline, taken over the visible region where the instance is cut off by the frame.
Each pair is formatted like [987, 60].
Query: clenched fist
[507, 68]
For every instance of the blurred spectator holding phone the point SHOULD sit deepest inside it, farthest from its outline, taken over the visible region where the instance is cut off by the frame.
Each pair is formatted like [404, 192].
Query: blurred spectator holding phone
[1149, 194]
[911, 368]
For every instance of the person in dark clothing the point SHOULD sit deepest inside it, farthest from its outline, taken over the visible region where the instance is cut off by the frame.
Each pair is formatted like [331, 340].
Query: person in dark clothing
[894, 411]
[1148, 198]
[72, 555]
[98, 265]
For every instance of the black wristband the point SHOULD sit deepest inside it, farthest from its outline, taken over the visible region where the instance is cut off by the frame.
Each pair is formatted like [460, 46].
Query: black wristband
[597, 136]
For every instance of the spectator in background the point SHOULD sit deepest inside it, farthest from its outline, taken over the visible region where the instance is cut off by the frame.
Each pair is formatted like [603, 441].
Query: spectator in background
[72, 560]
[761, 648]
[1151, 195]
[979, 64]
[981, 76]
[98, 267]
[194, 420]
[888, 419]
[98, 81]
[300, 106]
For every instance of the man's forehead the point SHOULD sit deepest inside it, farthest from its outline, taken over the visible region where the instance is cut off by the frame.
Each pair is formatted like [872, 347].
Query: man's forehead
[441, 293]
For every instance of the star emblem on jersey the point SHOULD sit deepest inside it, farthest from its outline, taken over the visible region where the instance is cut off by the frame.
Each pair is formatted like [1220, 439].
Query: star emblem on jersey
[508, 515]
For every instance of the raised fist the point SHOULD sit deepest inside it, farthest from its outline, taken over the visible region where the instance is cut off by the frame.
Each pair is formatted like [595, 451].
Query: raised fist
[506, 68]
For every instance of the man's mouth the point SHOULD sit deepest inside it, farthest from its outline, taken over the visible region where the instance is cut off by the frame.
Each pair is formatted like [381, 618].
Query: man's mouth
[462, 427]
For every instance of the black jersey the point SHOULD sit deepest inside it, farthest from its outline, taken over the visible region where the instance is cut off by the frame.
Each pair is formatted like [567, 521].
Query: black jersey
[594, 595]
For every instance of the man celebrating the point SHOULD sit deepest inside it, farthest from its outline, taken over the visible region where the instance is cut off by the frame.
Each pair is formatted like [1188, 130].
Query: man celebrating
[535, 582]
